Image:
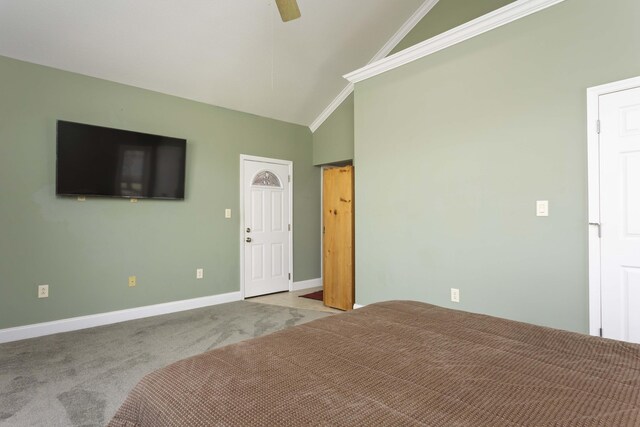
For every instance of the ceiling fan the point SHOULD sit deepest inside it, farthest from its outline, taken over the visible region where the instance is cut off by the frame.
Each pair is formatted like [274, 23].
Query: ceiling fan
[288, 9]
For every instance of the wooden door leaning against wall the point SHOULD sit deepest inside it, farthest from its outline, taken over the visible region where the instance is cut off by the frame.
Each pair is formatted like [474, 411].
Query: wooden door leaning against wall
[338, 238]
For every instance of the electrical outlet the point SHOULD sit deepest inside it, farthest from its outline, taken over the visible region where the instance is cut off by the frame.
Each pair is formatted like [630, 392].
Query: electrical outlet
[542, 208]
[132, 281]
[455, 295]
[200, 273]
[43, 291]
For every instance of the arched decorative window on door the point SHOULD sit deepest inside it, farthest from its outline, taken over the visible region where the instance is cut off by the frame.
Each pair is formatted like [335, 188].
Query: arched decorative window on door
[266, 179]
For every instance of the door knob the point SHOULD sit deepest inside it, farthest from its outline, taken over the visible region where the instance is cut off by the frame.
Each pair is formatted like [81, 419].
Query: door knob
[248, 240]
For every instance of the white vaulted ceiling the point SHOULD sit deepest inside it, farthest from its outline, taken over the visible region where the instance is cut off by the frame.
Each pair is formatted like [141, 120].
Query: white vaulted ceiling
[236, 54]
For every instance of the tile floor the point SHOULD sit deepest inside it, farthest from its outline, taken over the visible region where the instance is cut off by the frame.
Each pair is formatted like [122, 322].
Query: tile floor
[292, 299]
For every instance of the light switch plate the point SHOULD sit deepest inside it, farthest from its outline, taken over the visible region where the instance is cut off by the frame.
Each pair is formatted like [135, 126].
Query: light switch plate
[542, 208]
[227, 213]
[199, 273]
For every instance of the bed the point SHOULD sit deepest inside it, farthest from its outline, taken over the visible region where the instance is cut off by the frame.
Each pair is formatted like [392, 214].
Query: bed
[398, 363]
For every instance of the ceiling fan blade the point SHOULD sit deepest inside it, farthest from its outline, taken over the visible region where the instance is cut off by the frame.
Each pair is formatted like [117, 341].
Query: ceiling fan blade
[288, 9]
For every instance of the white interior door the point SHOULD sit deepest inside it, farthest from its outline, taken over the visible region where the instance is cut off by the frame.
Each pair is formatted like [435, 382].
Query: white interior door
[620, 214]
[266, 227]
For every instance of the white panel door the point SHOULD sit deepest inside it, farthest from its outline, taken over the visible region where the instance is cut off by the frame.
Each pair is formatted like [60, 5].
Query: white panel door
[620, 214]
[266, 228]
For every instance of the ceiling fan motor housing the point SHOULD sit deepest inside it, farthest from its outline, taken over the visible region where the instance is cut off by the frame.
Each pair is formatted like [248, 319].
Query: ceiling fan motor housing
[288, 9]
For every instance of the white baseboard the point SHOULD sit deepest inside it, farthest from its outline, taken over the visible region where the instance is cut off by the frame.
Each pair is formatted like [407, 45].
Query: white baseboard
[83, 322]
[355, 306]
[307, 284]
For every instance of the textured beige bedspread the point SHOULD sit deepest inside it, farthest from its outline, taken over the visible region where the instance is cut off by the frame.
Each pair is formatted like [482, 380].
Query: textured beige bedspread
[398, 363]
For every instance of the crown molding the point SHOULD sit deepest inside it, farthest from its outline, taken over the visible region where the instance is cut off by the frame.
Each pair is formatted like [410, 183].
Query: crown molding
[505, 15]
[337, 101]
[405, 29]
[384, 51]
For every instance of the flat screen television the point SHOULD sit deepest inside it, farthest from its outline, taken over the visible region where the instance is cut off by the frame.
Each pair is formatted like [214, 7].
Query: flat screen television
[100, 161]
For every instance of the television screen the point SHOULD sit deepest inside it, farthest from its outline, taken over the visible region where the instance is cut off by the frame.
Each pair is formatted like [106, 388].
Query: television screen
[99, 161]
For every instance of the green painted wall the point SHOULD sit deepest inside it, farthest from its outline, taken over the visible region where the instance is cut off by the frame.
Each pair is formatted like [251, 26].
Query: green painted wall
[445, 15]
[333, 140]
[86, 250]
[453, 151]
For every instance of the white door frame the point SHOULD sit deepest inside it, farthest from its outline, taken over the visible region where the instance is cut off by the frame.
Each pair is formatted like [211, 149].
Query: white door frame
[288, 163]
[593, 168]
